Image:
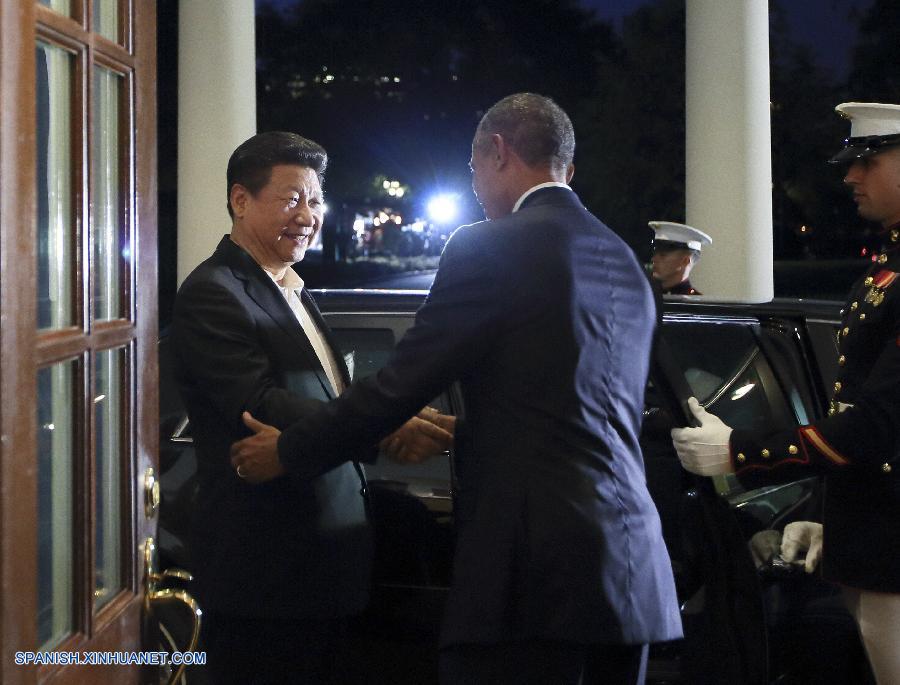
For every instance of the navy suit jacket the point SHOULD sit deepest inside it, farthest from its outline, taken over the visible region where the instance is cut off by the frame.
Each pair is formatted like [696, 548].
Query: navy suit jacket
[546, 319]
[296, 547]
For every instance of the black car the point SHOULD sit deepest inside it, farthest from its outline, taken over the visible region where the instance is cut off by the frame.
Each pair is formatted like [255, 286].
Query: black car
[748, 616]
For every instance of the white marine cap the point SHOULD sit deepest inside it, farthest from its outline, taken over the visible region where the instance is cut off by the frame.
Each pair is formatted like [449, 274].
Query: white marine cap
[679, 235]
[874, 127]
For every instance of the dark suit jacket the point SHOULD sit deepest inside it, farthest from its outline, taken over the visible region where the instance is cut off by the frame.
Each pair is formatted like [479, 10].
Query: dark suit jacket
[298, 546]
[546, 319]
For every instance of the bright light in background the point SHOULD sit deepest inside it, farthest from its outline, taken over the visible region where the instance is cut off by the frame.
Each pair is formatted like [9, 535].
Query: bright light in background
[324, 208]
[443, 208]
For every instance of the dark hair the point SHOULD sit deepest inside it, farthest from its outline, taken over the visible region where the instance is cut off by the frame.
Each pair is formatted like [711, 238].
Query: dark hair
[535, 127]
[251, 163]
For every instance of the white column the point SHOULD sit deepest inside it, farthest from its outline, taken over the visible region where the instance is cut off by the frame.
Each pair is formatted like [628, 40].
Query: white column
[728, 147]
[216, 113]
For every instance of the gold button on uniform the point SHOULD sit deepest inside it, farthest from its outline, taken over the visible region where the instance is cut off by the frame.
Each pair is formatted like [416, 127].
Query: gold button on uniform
[882, 258]
[854, 306]
[895, 236]
[886, 468]
[793, 449]
[846, 330]
[837, 386]
[869, 280]
[741, 458]
[842, 360]
[765, 454]
[862, 317]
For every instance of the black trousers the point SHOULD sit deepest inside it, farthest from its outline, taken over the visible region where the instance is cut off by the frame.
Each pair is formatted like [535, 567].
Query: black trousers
[254, 651]
[539, 662]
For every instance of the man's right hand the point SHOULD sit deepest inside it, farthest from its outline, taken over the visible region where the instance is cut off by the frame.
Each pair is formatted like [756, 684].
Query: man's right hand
[703, 449]
[421, 437]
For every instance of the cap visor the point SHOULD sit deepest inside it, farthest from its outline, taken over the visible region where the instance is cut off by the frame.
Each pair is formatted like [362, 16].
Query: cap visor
[851, 152]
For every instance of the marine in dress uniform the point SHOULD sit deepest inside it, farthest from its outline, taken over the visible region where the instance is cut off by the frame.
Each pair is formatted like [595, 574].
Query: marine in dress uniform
[676, 249]
[857, 447]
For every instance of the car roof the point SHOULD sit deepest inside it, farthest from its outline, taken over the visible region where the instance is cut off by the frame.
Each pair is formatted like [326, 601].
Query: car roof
[407, 301]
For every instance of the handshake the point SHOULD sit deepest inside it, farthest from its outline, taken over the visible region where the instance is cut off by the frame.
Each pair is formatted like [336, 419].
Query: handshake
[255, 459]
[423, 436]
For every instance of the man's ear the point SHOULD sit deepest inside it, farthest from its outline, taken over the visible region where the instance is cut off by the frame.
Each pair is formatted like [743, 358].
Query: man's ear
[499, 151]
[570, 172]
[238, 198]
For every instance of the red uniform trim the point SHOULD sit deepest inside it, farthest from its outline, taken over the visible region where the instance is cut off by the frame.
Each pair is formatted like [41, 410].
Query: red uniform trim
[884, 278]
[769, 467]
[816, 440]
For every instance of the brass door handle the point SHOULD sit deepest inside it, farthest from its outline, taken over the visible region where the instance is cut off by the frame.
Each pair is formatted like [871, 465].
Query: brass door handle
[157, 601]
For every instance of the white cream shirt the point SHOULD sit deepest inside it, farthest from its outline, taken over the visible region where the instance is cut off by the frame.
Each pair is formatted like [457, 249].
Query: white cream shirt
[290, 286]
[548, 184]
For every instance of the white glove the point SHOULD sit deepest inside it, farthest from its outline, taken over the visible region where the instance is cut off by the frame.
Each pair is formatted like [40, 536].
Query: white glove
[704, 450]
[802, 535]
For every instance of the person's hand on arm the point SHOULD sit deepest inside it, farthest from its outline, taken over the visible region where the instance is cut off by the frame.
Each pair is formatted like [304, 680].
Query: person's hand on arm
[704, 449]
[423, 436]
[256, 458]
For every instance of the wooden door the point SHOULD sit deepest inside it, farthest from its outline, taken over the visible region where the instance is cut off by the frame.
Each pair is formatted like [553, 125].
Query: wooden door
[78, 371]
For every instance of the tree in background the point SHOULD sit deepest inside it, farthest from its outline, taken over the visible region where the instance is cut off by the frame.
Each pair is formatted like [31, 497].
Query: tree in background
[875, 75]
[397, 87]
[629, 159]
[812, 214]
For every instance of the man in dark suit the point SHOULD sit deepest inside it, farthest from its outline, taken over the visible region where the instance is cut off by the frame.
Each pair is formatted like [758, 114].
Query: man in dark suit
[546, 319]
[280, 566]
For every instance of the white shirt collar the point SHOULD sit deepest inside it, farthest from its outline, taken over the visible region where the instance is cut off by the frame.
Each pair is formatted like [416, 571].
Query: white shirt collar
[291, 279]
[548, 184]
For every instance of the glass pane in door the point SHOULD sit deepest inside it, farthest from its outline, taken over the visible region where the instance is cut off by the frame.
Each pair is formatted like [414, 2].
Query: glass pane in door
[109, 429]
[56, 483]
[55, 251]
[106, 197]
[61, 6]
[106, 18]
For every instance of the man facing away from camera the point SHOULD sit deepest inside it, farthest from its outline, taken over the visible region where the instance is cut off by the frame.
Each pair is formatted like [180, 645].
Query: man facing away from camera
[545, 318]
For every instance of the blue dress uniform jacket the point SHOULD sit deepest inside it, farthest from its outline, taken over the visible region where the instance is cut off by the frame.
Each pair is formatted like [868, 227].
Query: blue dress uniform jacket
[296, 547]
[546, 319]
[857, 447]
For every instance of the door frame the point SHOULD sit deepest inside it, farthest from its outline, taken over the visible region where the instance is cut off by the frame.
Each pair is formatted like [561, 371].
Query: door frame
[118, 626]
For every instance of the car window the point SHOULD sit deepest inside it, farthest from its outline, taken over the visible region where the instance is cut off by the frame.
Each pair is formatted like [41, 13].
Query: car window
[412, 505]
[370, 349]
[727, 371]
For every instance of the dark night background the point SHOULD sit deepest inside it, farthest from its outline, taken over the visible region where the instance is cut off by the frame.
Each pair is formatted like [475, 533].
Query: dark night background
[393, 89]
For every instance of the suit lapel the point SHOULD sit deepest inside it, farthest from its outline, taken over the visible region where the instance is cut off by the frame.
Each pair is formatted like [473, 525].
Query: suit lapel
[262, 290]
